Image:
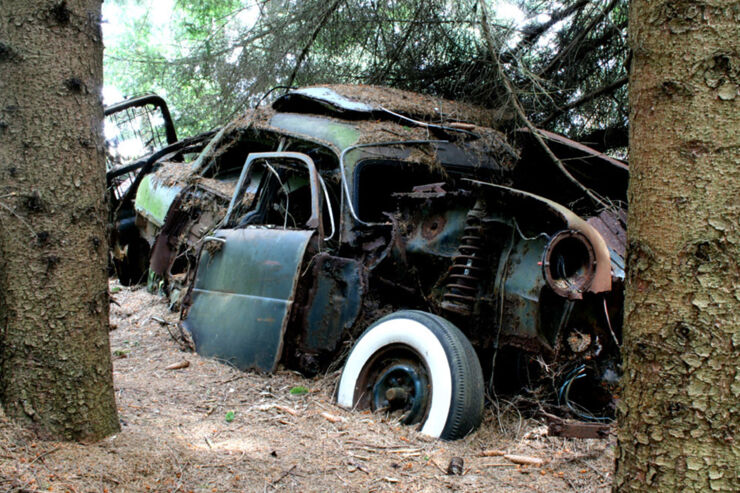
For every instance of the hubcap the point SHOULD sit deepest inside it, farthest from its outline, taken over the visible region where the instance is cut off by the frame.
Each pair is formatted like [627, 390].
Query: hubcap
[401, 386]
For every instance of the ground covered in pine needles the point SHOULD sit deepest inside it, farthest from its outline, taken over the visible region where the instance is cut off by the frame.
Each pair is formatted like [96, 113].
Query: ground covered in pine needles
[210, 428]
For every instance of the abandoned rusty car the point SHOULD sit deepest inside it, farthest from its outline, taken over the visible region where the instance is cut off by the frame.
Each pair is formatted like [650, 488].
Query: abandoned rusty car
[395, 234]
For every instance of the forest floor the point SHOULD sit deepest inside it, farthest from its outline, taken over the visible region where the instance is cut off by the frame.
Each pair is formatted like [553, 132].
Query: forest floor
[210, 428]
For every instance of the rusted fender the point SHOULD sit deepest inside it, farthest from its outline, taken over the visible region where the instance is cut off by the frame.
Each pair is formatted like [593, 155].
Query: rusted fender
[523, 203]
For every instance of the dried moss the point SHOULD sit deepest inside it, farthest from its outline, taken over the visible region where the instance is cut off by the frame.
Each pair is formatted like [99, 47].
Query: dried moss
[420, 106]
[485, 144]
[171, 173]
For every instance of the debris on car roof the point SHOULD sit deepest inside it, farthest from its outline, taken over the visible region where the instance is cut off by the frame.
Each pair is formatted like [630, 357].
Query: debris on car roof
[342, 98]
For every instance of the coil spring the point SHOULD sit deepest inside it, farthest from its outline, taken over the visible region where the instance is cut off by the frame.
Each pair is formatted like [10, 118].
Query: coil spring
[467, 267]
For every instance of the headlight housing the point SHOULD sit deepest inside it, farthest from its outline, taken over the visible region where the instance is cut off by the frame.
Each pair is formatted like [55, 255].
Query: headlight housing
[569, 264]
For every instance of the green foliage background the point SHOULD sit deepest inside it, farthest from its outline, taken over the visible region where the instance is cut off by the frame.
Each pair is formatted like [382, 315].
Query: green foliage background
[213, 58]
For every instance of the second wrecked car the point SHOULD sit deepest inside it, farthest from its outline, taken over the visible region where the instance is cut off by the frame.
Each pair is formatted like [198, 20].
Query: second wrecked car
[403, 233]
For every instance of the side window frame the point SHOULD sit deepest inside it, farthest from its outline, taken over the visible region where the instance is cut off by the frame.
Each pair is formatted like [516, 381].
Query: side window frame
[316, 185]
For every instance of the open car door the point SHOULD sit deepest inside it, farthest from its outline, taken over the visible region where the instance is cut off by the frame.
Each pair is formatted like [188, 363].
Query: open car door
[244, 287]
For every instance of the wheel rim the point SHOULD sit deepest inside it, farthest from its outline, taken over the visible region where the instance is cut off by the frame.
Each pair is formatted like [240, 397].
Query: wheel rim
[396, 379]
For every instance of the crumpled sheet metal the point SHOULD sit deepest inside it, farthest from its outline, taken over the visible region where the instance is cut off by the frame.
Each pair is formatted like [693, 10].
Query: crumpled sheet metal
[518, 199]
[612, 226]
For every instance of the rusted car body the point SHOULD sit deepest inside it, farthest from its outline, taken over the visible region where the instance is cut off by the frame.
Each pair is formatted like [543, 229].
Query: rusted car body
[340, 208]
[139, 135]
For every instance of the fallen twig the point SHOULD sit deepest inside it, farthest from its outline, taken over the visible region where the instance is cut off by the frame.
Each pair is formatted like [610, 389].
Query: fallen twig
[492, 453]
[341, 478]
[179, 365]
[405, 451]
[354, 466]
[288, 410]
[331, 418]
[237, 377]
[44, 454]
[570, 483]
[356, 456]
[524, 460]
[368, 445]
[279, 407]
[437, 466]
[603, 475]
[283, 475]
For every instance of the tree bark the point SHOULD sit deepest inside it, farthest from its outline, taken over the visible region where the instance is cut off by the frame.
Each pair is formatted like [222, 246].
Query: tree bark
[55, 365]
[678, 418]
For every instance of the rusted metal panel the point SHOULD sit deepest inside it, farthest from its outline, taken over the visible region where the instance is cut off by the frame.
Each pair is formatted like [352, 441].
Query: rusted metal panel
[333, 303]
[153, 199]
[438, 234]
[570, 429]
[243, 293]
[552, 218]
[166, 243]
[522, 283]
[339, 134]
[612, 225]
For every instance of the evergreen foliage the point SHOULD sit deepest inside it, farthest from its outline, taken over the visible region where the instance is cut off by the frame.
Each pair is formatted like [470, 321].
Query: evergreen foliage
[567, 62]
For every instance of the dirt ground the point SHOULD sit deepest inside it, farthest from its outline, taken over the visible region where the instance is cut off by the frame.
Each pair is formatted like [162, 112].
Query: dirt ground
[211, 428]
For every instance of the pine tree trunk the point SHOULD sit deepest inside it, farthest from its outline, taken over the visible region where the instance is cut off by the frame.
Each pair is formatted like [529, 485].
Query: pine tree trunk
[679, 424]
[55, 367]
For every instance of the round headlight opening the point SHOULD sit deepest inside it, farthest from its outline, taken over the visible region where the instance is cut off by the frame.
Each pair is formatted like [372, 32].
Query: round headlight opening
[569, 264]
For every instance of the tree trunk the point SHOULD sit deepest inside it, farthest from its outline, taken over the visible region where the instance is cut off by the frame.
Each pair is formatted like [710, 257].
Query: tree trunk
[55, 367]
[678, 419]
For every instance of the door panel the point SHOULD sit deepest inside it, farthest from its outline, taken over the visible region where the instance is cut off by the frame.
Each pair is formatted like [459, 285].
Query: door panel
[243, 293]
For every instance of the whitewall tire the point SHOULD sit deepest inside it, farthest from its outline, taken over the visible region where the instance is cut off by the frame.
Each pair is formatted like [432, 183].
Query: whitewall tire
[421, 364]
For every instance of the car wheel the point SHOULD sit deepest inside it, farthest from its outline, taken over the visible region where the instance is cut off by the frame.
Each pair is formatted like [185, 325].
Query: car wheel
[420, 365]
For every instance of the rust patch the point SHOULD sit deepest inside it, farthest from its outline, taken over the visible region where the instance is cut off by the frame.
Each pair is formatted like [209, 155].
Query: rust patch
[612, 226]
[569, 264]
[567, 429]
[433, 226]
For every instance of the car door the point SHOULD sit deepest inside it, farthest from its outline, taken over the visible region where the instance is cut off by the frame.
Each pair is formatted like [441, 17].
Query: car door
[244, 287]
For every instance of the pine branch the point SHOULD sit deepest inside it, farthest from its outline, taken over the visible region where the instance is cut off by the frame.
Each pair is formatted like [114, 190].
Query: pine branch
[533, 31]
[579, 37]
[608, 89]
[319, 27]
[520, 111]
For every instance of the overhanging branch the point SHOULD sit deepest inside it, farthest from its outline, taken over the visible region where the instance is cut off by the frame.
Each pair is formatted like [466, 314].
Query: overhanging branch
[608, 89]
[520, 111]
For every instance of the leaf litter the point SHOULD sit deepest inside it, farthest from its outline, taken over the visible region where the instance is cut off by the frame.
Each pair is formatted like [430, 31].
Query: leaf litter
[174, 436]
